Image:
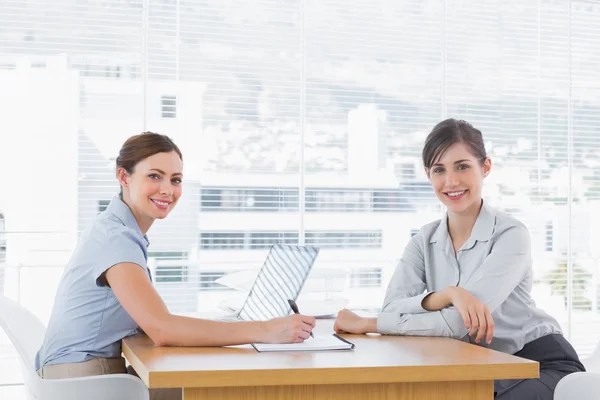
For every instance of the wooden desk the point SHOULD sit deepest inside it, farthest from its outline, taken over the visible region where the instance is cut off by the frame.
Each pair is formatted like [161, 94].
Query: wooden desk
[380, 367]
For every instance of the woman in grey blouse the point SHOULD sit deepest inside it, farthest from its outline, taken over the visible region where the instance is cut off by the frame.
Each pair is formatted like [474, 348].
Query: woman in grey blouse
[106, 292]
[469, 275]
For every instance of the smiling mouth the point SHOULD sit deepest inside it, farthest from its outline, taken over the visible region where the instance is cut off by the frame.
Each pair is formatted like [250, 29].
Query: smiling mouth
[456, 194]
[161, 204]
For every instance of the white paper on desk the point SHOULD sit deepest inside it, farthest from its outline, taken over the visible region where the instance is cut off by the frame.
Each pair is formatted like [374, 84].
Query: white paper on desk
[318, 343]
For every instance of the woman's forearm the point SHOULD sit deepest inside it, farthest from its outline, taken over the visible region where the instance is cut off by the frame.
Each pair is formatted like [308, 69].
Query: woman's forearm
[177, 330]
[437, 301]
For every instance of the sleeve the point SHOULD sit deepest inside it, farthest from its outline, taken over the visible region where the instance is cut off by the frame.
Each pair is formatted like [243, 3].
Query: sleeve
[492, 283]
[405, 291]
[118, 246]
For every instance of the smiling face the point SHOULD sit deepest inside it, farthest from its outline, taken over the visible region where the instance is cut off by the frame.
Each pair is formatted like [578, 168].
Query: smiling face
[457, 178]
[154, 187]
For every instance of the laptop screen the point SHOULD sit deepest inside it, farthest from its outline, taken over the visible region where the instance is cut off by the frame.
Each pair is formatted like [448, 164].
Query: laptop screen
[281, 278]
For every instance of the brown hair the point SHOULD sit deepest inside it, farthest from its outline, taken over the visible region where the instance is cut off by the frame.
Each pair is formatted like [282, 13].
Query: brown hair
[448, 132]
[142, 146]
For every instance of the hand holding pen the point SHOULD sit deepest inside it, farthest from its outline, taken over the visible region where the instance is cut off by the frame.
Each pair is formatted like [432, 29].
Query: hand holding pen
[295, 309]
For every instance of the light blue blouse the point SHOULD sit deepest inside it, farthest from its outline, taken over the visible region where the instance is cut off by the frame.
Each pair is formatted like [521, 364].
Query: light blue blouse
[87, 319]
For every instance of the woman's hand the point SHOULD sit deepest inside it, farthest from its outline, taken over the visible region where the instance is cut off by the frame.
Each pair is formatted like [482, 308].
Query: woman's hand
[294, 328]
[349, 322]
[475, 314]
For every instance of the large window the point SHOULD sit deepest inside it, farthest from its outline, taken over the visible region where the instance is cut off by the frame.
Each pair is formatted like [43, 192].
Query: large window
[168, 106]
[300, 121]
[344, 239]
[2, 234]
[169, 266]
[2, 252]
[249, 199]
[224, 240]
[365, 277]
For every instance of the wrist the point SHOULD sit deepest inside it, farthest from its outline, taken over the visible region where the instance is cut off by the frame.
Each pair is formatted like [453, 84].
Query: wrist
[260, 332]
[369, 325]
[436, 301]
[448, 294]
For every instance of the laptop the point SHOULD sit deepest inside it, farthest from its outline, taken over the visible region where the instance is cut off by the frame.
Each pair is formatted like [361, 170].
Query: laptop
[280, 278]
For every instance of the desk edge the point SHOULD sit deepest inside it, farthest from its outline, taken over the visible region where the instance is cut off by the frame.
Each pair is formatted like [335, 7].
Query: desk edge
[136, 363]
[336, 376]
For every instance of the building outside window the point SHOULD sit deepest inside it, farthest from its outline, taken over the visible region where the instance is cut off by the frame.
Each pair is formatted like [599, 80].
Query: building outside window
[168, 105]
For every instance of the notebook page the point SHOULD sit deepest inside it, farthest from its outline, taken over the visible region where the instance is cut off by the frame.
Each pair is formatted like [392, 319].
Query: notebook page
[318, 343]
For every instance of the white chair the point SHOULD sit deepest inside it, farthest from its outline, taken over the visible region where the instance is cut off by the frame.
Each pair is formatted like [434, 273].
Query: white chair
[26, 332]
[592, 363]
[582, 385]
[578, 386]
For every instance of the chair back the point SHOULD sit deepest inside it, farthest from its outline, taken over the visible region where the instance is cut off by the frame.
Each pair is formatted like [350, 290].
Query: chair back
[592, 362]
[578, 386]
[26, 332]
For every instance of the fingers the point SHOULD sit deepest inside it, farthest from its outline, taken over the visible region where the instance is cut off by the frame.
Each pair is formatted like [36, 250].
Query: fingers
[306, 323]
[337, 327]
[474, 321]
[477, 318]
[305, 319]
[303, 325]
[481, 333]
[485, 322]
[306, 328]
[490, 326]
[466, 318]
[303, 335]
[298, 335]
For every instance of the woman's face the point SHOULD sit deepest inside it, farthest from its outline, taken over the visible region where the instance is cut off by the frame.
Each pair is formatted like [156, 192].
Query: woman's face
[154, 187]
[457, 178]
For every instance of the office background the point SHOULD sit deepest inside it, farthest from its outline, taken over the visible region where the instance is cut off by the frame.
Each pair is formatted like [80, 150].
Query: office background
[301, 121]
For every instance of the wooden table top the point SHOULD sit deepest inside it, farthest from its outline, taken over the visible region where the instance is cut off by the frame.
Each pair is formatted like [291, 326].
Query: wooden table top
[375, 359]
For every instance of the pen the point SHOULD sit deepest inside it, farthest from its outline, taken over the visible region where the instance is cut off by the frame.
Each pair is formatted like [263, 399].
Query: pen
[296, 311]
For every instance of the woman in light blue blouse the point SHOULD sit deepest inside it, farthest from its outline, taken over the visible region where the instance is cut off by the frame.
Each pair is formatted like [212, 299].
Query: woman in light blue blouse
[469, 275]
[106, 292]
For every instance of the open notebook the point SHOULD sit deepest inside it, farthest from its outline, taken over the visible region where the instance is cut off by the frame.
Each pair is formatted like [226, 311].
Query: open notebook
[318, 343]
